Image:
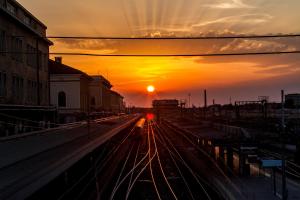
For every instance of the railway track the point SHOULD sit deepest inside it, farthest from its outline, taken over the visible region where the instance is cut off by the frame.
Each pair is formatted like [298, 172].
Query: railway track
[292, 169]
[156, 170]
[81, 186]
[151, 167]
[195, 187]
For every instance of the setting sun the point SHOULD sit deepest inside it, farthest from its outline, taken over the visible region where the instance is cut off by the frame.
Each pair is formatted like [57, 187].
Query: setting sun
[150, 88]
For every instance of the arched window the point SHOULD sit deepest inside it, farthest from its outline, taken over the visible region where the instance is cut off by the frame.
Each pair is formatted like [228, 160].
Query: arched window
[61, 99]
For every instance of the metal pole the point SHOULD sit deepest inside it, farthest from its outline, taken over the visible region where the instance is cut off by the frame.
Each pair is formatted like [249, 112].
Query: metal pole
[189, 100]
[38, 72]
[205, 103]
[274, 180]
[284, 189]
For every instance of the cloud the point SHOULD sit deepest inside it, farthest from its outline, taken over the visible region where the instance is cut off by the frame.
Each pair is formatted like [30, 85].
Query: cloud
[279, 69]
[247, 45]
[107, 46]
[229, 5]
[253, 19]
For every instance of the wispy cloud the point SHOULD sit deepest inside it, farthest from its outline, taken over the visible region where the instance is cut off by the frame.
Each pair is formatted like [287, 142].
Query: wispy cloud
[242, 19]
[229, 5]
[86, 44]
[238, 45]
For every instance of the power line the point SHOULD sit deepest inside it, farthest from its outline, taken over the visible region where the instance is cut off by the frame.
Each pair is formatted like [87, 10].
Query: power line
[176, 55]
[174, 38]
[160, 55]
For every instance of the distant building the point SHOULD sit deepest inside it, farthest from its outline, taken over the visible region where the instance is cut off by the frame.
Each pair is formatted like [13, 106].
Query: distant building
[99, 89]
[117, 103]
[69, 91]
[23, 77]
[165, 104]
[75, 94]
[292, 100]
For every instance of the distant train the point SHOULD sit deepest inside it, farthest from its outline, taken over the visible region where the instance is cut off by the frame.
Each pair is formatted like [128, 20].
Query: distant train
[138, 129]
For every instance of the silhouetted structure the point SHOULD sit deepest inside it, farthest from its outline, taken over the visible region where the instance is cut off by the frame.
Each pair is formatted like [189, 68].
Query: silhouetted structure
[292, 100]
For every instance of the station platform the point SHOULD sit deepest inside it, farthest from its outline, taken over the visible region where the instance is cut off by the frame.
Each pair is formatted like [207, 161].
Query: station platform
[27, 164]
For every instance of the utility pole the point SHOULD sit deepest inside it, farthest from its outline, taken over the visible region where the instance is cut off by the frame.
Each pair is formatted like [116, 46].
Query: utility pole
[205, 103]
[284, 189]
[189, 100]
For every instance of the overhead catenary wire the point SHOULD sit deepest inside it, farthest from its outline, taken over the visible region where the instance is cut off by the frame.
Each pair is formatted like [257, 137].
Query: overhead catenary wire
[166, 38]
[163, 55]
[175, 38]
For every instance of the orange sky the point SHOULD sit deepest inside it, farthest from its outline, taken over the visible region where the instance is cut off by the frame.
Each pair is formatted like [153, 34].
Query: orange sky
[174, 77]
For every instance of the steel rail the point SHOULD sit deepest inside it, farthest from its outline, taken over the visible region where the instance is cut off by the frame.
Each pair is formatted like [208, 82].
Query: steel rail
[113, 151]
[122, 170]
[132, 170]
[131, 176]
[290, 170]
[202, 151]
[150, 162]
[142, 170]
[187, 166]
[160, 165]
[211, 159]
[165, 144]
[179, 158]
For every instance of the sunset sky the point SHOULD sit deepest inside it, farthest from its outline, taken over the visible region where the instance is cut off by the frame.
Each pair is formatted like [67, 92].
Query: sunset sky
[238, 77]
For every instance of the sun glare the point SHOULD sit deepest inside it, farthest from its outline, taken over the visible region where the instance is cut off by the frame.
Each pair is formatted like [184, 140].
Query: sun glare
[150, 88]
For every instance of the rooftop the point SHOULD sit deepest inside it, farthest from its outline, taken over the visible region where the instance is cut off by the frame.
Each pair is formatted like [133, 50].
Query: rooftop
[59, 68]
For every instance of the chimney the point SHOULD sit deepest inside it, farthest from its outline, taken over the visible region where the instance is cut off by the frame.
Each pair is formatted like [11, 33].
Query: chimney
[58, 60]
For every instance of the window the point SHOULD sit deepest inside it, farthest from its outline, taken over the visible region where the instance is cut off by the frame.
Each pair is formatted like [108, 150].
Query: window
[3, 3]
[61, 99]
[18, 87]
[41, 92]
[31, 61]
[17, 48]
[40, 60]
[2, 84]
[29, 91]
[27, 20]
[31, 57]
[11, 8]
[2, 42]
[34, 91]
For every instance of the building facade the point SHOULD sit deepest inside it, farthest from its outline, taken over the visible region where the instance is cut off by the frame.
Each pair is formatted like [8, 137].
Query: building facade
[165, 104]
[99, 89]
[116, 102]
[24, 80]
[76, 94]
[69, 91]
[23, 58]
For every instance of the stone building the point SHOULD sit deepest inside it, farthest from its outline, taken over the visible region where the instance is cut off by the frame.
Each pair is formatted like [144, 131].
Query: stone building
[24, 57]
[116, 102]
[69, 91]
[24, 81]
[76, 94]
[99, 88]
